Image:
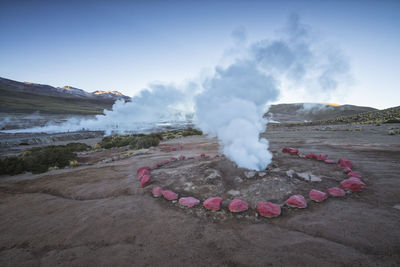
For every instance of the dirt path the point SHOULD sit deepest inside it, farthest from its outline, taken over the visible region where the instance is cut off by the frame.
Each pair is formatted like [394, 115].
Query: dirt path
[97, 215]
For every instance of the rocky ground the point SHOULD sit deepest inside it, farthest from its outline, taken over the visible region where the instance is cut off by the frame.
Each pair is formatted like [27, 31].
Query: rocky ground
[97, 214]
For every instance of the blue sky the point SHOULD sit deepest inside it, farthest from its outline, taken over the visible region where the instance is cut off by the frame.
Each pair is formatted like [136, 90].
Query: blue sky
[124, 45]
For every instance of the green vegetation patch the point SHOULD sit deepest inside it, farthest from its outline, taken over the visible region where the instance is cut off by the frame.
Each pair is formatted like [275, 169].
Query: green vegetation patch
[140, 141]
[135, 141]
[187, 132]
[38, 160]
[390, 115]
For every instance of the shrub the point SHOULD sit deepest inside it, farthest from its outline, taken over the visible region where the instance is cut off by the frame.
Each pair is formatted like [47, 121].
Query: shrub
[38, 160]
[97, 146]
[73, 163]
[12, 166]
[41, 159]
[145, 142]
[76, 147]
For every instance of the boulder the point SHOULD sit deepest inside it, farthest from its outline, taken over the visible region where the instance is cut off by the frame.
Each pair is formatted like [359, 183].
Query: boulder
[329, 161]
[317, 195]
[268, 209]
[168, 194]
[336, 192]
[249, 174]
[311, 156]
[142, 168]
[322, 157]
[345, 163]
[145, 180]
[308, 176]
[154, 167]
[181, 157]
[213, 203]
[143, 173]
[216, 156]
[202, 155]
[353, 184]
[262, 174]
[354, 174]
[238, 205]
[162, 162]
[157, 191]
[296, 201]
[290, 150]
[346, 169]
[173, 159]
[188, 201]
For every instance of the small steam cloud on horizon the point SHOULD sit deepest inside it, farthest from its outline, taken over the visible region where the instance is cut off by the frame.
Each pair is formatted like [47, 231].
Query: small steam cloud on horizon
[230, 104]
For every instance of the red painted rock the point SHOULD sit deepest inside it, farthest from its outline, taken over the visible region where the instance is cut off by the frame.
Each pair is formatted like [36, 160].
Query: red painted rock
[317, 195]
[345, 163]
[296, 201]
[290, 150]
[143, 173]
[189, 201]
[311, 156]
[329, 161]
[346, 169]
[162, 162]
[216, 156]
[174, 148]
[157, 191]
[352, 184]
[336, 192]
[213, 203]
[153, 167]
[181, 157]
[202, 155]
[322, 157]
[173, 159]
[168, 194]
[268, 209]
[238, 205]
[145, 180]
[354, 174]
[142, 168]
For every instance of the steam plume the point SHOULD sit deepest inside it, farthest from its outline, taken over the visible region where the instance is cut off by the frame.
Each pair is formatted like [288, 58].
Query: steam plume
[230, 103]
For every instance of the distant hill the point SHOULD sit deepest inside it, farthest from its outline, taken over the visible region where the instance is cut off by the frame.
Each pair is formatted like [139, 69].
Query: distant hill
[20, 97]
[301, 112]
[389, 115]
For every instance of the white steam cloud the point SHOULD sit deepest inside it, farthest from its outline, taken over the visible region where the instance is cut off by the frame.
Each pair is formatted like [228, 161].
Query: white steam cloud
[230, 104]
[231, 107]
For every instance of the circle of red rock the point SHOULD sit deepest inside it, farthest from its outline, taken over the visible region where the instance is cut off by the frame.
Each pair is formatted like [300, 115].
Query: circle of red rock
[266, 209]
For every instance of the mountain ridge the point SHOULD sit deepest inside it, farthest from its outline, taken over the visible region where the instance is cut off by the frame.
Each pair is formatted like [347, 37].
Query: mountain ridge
[62, 91]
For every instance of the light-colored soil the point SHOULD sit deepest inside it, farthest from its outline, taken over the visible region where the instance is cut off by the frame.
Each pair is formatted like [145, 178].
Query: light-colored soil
[97, 215]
